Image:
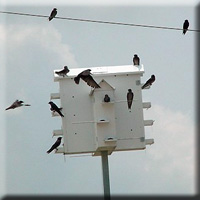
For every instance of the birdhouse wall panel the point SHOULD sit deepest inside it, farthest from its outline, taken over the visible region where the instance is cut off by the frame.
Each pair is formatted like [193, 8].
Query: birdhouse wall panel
[78, 123]
[84, 108]
[79, 139]
[104, 115]
[105, 122]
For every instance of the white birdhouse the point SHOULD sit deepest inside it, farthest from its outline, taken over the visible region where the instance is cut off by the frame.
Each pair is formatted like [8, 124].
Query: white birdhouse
[92, 124]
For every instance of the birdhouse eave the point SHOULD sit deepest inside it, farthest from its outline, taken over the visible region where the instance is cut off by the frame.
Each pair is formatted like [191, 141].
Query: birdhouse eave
[103, 71]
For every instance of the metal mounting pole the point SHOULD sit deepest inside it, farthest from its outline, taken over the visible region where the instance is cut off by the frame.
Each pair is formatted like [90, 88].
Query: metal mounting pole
[105, 168]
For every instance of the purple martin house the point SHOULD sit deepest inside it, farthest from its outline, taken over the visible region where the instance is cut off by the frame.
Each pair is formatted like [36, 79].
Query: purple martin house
[91, 125]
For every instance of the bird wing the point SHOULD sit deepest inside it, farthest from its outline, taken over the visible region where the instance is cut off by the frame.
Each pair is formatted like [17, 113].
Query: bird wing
[136, 61]
[148, 82]
[54, 146]
[53, 14]
[85, 72]
[90, 81]
[129, 99]
[14, 105]
[54, 107]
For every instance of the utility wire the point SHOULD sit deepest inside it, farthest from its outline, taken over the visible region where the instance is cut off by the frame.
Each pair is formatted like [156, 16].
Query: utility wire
[98, 21]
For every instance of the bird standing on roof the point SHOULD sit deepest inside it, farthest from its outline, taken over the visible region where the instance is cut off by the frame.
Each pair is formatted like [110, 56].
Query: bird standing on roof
[55, 108]
[17, 104]
[53, 14]
[185, 26]
[130, 96]
[55, 145]
[86, 76]
[63, 72]
[136, 60]
[149, 81]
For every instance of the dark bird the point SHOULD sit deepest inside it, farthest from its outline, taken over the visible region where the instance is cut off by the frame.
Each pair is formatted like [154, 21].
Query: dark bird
[53, 14]
[130, 96]
[63, 72]
[86, 76]
[136, 60]
[55, 108]
[106, 98]
[17, 104]
[55, 145]
[149, 81]
[185, 26]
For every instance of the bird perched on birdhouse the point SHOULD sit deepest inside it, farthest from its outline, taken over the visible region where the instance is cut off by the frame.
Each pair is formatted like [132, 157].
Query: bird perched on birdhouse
[62, 72]
[55, 108]
[136, 60]
[149, 81]
[55, 145]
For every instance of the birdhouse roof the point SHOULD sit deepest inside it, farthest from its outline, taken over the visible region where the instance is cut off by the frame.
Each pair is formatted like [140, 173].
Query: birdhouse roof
[103, 71]
[102, 84]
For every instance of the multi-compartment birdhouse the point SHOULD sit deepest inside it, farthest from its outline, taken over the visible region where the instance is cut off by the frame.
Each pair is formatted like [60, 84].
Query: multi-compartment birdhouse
[98, 119]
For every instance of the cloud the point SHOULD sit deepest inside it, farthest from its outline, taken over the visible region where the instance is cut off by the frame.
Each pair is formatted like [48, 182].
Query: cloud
[167, 167]
[32, 53]
[33, 37]
[174, 148]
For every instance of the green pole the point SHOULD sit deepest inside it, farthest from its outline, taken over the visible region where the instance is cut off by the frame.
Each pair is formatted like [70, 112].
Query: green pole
[105, 169]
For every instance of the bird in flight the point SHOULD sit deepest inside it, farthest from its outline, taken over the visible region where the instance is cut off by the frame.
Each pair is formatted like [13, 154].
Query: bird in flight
[130, 96]
[136, 60]
[53, 14]
[63, 72]
[149, 81]
[55, 145]
[86, 76]
[185, 26]
[55, 108]
[106, 98]
[17, 104]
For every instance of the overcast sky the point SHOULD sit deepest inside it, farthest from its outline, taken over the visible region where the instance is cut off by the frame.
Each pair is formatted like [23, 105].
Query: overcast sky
[33, 47]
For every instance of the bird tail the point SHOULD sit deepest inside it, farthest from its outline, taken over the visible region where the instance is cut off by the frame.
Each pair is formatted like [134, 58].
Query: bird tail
[50, 150]
[60, 113]
[50, 18]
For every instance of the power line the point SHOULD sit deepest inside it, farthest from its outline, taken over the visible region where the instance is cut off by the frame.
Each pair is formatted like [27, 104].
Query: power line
[99, 21]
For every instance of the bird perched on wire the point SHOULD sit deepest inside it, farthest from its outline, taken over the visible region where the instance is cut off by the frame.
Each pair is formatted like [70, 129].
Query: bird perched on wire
[55, 108]
[136, 60]
[17, 104]
[106, 98]
[129, 96]
[86, 76]
[63, 72]
[55, 145]
[149, 81]
[185, 26]
[53, 14]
